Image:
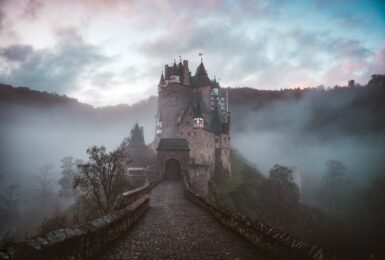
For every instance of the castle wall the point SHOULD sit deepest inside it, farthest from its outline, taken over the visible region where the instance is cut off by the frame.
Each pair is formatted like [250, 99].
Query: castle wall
[201, 142]
[208, 151]
[206, 95]
[181, 156]
[225, 152]
[199, 176]
[172, 101]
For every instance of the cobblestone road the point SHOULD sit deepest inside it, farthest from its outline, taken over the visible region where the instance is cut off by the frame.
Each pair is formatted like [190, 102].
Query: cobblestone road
[175, 228]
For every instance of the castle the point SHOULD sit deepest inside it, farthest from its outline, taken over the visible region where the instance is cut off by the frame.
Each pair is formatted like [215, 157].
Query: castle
[192, 136]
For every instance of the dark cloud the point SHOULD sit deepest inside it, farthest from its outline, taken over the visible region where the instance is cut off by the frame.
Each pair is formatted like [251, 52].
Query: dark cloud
[57, 69]
[32, 8]
[227, 48]
[17, 52]
[242, 54]
[2, 15]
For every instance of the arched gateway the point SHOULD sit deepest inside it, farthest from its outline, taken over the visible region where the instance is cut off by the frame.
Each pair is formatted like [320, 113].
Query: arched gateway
[173, 170]
[173, 157]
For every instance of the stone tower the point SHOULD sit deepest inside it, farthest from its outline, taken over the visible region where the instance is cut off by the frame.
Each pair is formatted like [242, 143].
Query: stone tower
[192, 108]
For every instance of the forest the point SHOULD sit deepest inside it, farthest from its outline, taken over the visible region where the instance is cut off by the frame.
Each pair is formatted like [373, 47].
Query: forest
[308, 161]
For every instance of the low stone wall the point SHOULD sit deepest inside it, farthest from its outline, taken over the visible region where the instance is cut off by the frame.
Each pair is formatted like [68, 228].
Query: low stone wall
[277, 243]
[85, 241]
[81, 242]
[126, 198]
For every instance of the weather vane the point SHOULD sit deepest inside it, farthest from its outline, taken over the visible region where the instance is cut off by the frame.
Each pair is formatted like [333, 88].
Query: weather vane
[201, 54]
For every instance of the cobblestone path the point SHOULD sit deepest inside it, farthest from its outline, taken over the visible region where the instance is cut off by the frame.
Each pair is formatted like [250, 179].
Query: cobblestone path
[175, 228]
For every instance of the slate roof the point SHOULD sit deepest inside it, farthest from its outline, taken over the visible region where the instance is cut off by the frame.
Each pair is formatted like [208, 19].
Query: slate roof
[201, 79]
[198, 105]
[173, 144]
[161, 81]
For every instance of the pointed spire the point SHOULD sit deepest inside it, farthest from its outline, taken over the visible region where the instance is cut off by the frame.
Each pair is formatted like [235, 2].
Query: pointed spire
[201, 71]
[201, 78]
[180, 69]
[174, 70]
[136, 138]
[161, 81]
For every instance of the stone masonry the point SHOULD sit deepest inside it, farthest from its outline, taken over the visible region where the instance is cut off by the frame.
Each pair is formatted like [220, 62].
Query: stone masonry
[175, 228]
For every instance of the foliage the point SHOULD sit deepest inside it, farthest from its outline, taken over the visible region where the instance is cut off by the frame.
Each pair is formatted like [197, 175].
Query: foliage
[333, 180]
[282, 186]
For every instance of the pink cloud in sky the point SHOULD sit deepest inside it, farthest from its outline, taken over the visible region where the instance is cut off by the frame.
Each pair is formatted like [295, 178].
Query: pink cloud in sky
[261, 44]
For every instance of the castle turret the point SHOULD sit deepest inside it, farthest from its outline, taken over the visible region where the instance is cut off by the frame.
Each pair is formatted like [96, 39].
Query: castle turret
[136, 137]
[198, 120]
[186, 73]
[174, 70]
[167, 72]
[216, 121]
[201, 79]
[161, 81]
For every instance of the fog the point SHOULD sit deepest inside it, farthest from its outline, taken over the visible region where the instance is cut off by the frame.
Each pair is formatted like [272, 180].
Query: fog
[34, 137]
[302, 133]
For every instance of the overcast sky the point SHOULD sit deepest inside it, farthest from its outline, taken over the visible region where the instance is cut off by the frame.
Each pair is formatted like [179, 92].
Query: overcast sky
[106, 52]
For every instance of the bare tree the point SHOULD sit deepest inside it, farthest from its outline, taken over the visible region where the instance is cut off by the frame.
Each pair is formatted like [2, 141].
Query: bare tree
[44, 182]
[69, 173]
[99, 177]
[8, 204]
[10, 196]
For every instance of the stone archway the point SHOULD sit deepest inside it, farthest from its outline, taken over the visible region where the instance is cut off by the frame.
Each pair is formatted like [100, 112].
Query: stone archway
[173, 169]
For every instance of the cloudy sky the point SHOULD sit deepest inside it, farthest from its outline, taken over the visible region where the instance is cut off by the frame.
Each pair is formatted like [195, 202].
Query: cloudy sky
[106, 52]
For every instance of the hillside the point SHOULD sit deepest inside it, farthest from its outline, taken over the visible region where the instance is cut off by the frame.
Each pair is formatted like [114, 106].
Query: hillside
[354, 110]
[249, 192]
[300, 129]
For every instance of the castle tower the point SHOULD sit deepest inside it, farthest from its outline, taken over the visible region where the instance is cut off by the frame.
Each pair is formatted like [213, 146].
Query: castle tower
[191, 108]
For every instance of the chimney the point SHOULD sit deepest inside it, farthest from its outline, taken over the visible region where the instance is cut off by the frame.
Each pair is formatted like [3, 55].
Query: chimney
[186, 73]
[166, 72]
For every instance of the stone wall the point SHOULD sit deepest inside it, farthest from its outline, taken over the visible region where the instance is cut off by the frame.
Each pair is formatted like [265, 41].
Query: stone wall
[85, 241]
[81, 242]
[163, 156]
[128, 197]
[172, 100]
[265, 237]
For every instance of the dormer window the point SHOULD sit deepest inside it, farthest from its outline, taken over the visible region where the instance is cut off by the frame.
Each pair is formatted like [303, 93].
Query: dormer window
[175, 79]
[198, 122]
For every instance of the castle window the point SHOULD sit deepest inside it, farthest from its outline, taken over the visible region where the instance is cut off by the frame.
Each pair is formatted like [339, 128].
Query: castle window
[189, 133]
[175, 79]
[216, 140]
[195, 133]
[198, 122]
[181, 133]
